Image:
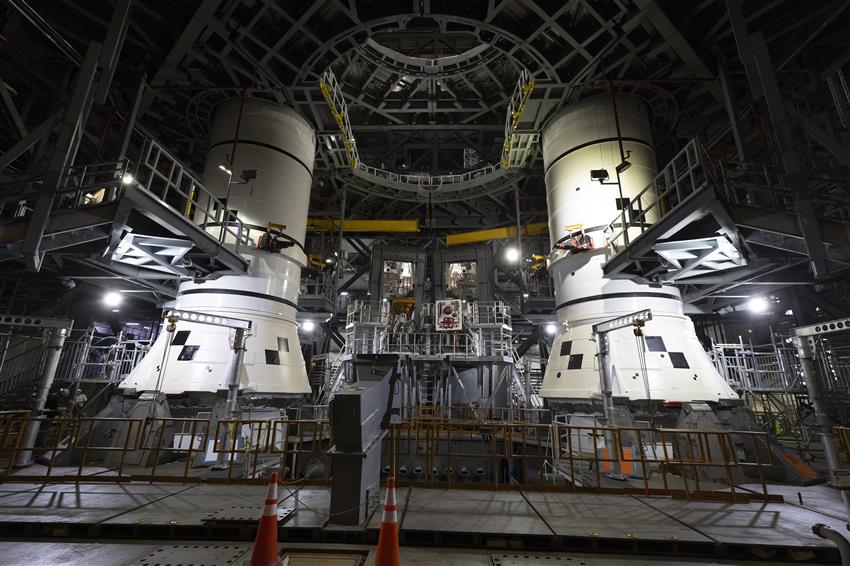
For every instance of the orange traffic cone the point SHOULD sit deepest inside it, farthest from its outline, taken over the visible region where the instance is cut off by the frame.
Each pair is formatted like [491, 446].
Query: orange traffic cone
[265, 546]
[388, 551]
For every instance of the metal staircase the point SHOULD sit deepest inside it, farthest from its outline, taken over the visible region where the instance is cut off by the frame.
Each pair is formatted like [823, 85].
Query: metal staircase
[525, 384]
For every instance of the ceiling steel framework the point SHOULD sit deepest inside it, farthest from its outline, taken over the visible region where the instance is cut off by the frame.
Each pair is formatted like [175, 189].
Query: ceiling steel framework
[428, 82]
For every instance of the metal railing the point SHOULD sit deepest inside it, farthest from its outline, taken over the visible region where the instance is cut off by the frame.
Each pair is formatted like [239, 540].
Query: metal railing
[105, 359]
[431, 344]
[156, 171]
[339, 110]
[685, 175]
[164, 176]
[368, 312]
[684, 459]
[498, 454]
[80, 186]
[486, 331]
[489, 313]
[90, 184]
[758, 368]
[477, 413]
[167, 449]
[517, 146]
[428, 181]
[478, 447]
[516, 106]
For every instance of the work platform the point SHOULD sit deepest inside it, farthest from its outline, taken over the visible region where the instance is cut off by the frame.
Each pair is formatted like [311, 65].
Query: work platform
[506, 521]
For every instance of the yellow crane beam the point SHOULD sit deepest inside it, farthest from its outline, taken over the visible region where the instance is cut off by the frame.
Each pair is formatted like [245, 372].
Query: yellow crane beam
[502, 233]
[371, 226]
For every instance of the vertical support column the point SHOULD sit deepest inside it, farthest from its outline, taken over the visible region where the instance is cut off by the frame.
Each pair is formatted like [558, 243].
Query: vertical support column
[602, 351]
[54, 339]
[759, 68]
[742, 40]
[112, 45]
[232, 393]
[131, 119]
[816, 396]
[809, 225]
[519, 246]
[341, 236]
[731, 109]
[64, 150]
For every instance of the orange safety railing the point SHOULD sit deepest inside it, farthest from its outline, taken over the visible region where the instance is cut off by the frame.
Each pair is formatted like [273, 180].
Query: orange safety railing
[494, 448]
[692, 464]
[165, 449]
[299, 446]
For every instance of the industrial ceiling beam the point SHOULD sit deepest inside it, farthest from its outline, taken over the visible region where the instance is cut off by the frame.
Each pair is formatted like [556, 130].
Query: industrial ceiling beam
[167, 71]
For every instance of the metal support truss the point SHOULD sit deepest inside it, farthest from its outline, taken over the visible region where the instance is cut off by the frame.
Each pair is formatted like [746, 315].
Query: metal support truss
[63, 153]
[804, 341]
[154, 253]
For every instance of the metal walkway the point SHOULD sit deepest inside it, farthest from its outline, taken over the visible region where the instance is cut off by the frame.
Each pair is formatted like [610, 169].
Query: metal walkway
[699, 218]
[189, 231]
[515, 520]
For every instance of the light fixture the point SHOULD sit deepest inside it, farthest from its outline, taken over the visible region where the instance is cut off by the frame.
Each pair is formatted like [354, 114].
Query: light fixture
[308, 326]
[789, 312]
[343, 293]
[112, 299]
[551, 328]
[757, 304]
[512, 254]
[127, 179]
[623, 167]
[329, 260]
[225, 169]
[116, 310]
[525, 295]
[599, 175]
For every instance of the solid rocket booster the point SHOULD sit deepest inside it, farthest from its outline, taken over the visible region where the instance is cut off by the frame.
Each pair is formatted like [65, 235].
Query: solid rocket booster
[578, 139]
[280, 146]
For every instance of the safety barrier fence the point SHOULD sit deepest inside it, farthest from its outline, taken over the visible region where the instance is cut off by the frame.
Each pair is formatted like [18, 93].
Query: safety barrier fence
[497, 454]
[165, 449]
[484, 451]
[481, 414]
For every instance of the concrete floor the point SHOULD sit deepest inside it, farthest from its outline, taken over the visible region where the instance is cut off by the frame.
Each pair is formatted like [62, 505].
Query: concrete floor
[504, 520]
[140, 553]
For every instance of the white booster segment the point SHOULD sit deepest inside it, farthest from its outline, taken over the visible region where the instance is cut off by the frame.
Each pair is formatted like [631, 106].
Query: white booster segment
[279, 145]
[580, 138]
